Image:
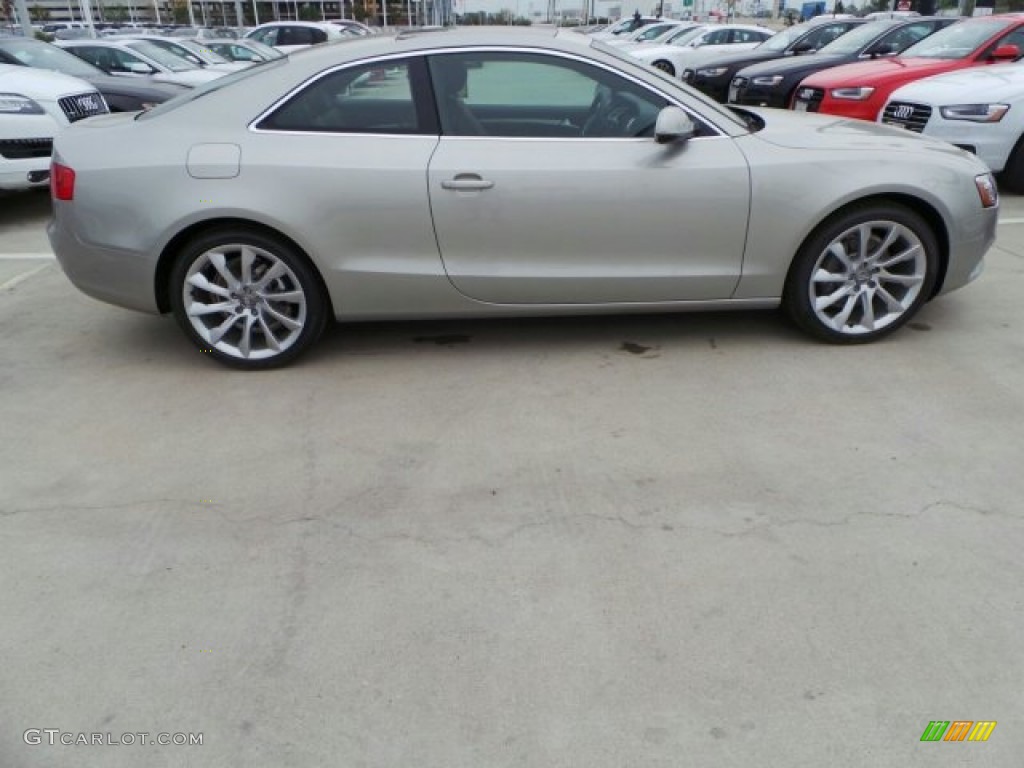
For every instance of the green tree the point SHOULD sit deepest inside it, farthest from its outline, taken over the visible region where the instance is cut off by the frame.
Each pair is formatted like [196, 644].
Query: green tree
[38, 13]
[309, 12]
[179, 11]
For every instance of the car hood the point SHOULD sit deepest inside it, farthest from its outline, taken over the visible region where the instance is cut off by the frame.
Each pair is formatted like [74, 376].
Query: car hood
[1000, 82]
[798, 130]
[880, 71]
[39, 83]
[793, 64]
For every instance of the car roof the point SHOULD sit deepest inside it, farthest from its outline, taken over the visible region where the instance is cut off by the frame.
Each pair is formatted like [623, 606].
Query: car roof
[287, 23]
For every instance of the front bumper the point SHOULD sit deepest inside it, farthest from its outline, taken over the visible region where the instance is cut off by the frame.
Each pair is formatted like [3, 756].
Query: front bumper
[716, 88]
[974, 235]
[742, 91]
[24, 174]
[991, 143]
[26, 142]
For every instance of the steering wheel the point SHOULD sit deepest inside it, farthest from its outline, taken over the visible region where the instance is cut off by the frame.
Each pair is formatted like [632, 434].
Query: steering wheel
[599, 107]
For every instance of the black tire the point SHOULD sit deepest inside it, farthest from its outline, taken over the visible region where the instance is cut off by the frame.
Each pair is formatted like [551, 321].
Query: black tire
[864, 301]
[278, 313]
[1012, 175]
[665, 66]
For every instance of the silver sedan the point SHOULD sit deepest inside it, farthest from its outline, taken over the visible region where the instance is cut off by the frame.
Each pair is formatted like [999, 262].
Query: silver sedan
[501, 172]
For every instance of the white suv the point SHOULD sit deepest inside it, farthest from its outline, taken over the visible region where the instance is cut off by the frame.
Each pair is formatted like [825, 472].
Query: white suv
[289, 36]
[34, 105]
[979, 109]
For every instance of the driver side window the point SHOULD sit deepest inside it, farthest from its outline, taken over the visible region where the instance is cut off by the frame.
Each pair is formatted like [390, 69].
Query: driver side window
[538, 96]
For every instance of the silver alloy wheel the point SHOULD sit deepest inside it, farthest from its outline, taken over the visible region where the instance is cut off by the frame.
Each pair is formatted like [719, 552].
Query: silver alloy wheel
[664, 66]
[867, 277]
[244, 301]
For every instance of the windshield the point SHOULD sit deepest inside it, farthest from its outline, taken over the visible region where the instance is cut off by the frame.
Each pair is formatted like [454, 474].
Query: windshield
[264, 50]
[45, 56]
[686, 36]
[652, 31]
[858, 38]
[201, 50]
[784, 39]
[957, 41]
[161, 56]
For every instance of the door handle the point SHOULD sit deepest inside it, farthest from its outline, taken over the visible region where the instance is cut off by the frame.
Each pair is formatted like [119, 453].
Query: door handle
[467, 181]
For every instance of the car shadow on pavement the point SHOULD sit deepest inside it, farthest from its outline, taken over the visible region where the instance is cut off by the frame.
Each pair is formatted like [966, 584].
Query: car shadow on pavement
[19, 207]
[639, 335]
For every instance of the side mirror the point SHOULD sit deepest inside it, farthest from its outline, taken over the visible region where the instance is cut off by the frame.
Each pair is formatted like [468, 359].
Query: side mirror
[802, 48]
[140, 68]
[673, 124]
[1005, 53]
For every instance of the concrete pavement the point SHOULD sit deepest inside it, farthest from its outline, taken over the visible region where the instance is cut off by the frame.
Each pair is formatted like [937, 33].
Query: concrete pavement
[659, 541]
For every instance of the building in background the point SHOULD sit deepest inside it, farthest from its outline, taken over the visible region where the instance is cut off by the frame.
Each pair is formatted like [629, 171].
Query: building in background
[241, 13]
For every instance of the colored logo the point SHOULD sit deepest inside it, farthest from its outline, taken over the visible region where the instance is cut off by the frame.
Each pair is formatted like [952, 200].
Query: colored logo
[958, 730]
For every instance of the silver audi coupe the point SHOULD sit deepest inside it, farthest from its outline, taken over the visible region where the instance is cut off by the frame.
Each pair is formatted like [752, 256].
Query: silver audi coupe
[501, 172]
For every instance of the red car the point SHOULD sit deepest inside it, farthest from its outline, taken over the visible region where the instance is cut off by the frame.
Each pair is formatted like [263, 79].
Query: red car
[860, 90]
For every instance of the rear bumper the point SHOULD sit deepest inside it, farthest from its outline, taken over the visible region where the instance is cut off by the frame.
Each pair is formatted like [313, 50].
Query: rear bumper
[124, 278]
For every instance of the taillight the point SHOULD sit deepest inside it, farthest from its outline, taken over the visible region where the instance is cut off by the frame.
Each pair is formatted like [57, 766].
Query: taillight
[62, 182]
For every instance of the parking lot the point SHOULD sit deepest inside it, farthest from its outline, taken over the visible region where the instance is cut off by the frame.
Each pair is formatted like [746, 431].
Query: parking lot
[667, 540]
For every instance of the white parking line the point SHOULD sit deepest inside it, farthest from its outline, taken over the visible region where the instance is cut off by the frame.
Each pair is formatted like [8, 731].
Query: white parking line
[1012, 221]
[27, 256]
[21, 278]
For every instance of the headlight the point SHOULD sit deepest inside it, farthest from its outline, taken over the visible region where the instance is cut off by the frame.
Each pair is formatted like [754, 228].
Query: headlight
[976, 113]
[712, 71]
[853, 94]
[987, 190]
[771, 81]
[16, 104]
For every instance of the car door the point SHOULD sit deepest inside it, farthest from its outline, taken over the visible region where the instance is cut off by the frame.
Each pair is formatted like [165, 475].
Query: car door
[548, 187]
[350, 150]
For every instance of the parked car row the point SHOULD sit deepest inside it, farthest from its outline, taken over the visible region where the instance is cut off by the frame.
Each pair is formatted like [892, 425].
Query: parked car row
[902, 70]
[132, 71]
[702, 40]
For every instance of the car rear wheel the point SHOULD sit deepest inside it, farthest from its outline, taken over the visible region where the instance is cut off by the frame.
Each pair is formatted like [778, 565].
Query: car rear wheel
[249, 300]
[862, 274]
[665, 66]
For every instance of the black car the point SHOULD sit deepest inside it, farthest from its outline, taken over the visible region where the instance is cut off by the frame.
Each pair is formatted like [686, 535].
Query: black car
[122, 94]
[714, 75]
[772, 83]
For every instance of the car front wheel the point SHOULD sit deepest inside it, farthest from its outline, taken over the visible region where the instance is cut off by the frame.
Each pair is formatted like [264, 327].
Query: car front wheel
[665, 66]
[247, 299]
[862, 274]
